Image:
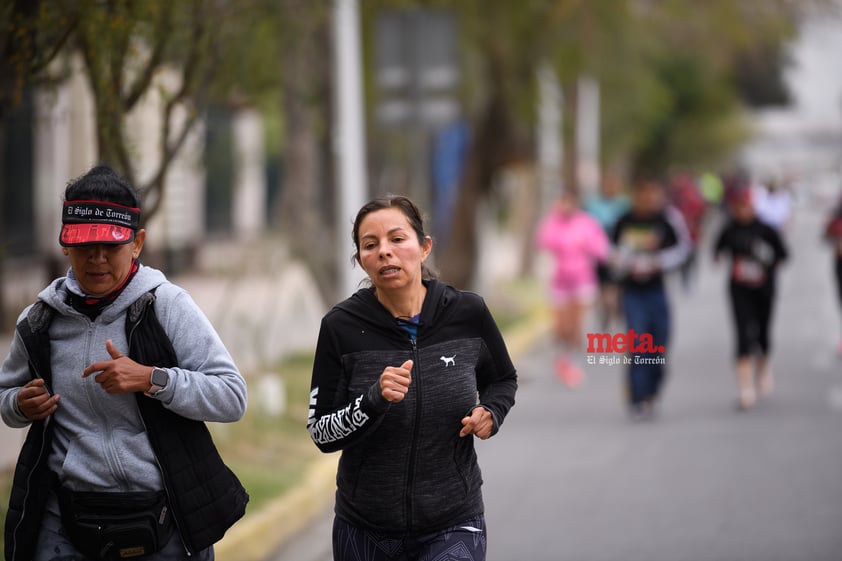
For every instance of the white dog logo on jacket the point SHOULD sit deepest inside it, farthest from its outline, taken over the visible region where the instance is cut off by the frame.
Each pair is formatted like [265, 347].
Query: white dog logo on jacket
[448, 360]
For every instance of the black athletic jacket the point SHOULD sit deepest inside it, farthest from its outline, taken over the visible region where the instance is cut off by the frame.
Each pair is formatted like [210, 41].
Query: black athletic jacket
[756, 249]
[404, 469]
[662, 238]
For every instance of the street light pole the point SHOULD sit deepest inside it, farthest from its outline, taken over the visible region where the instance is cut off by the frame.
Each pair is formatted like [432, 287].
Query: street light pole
[349, 133]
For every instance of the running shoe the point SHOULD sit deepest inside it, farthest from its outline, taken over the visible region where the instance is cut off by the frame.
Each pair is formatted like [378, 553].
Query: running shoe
[642, 412]
[575, 376]
[765, 383]
[747, 399]
[570, 375]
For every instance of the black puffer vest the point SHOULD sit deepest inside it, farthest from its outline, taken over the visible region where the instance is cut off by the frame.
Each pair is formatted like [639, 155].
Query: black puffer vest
[205, 496]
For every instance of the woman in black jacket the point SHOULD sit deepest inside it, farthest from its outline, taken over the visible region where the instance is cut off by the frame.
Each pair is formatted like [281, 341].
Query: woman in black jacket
[406, 372]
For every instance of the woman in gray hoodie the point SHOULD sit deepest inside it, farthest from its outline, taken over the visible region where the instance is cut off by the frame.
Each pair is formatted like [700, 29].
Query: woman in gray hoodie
[99, 409]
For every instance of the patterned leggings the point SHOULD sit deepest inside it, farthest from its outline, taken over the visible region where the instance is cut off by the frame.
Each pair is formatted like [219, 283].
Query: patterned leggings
[462, 542]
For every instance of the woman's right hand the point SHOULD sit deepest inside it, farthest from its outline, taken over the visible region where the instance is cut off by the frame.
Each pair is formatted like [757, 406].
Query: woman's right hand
[394, 382]
[35, 402]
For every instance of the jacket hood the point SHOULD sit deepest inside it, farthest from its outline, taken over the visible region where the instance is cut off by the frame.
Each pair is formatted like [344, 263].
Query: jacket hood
[145, 280]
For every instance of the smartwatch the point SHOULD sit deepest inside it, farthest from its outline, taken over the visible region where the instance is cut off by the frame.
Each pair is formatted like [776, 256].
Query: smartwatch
[159, 380]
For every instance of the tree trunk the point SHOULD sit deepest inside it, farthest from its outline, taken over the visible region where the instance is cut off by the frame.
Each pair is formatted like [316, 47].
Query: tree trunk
[489, 150]
[305, 47]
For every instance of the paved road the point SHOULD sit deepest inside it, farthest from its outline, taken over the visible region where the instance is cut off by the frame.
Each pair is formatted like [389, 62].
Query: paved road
[569, 477]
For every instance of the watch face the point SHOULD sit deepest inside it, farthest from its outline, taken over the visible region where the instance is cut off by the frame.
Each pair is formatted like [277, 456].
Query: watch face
[160, 377]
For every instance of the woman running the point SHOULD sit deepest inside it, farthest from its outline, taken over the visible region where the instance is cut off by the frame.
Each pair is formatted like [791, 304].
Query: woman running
[756, 249]
[408, 372]
[577, 241]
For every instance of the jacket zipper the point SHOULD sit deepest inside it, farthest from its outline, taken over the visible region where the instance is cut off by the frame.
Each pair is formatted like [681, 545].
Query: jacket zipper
[170, 501]
[111, 459]
[413, 451]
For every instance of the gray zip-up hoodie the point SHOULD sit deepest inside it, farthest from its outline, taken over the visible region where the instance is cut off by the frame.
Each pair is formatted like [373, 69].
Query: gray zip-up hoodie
[100, 442]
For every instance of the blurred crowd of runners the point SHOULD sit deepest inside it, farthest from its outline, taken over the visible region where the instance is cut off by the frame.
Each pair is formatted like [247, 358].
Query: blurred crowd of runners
[612, 251]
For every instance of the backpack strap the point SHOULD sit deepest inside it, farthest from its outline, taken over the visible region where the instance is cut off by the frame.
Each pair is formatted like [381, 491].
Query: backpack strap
[34, 331]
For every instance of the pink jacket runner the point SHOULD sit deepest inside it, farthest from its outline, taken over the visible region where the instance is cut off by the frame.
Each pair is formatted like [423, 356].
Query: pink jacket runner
[577, 241]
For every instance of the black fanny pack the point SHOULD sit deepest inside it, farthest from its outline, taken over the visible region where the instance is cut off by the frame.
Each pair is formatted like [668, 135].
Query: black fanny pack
[110, 526]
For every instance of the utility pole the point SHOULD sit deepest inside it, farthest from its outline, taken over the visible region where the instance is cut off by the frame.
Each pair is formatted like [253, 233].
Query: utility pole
[548, 135]
[588, 137]
[349, 135]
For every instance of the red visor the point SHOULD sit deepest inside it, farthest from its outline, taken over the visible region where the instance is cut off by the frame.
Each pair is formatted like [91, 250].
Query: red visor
[89, 234]
[97, 222]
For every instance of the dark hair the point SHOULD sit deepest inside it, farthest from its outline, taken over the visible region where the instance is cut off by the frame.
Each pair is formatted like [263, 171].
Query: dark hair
[102, 183]
[408, 208]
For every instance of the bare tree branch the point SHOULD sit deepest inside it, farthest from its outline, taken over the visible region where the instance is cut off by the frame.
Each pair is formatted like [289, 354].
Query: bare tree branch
[153, 63]
[40, 64]
[198, 66]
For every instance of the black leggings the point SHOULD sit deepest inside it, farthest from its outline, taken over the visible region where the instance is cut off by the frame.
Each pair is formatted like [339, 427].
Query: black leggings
[752, 309]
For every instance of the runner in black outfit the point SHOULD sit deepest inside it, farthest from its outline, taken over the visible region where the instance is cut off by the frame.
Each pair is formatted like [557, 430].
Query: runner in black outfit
[755, 249]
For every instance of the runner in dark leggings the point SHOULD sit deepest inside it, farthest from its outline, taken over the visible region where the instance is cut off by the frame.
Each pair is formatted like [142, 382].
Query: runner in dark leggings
[755, 249]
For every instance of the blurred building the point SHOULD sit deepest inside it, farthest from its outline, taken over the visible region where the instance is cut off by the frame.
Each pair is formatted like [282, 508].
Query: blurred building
[803, 142]
[216, 186]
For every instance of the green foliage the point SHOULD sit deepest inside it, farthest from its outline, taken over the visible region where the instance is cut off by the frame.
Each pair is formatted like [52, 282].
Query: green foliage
[697, 122]
[667, 67]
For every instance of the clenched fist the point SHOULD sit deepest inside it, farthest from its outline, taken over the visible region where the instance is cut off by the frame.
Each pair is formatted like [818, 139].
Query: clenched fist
[478, 422]
[394, 382]
[35, 402]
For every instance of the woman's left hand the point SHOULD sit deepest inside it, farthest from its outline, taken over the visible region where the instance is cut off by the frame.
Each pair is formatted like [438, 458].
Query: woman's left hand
[479, 423]
[120, 374]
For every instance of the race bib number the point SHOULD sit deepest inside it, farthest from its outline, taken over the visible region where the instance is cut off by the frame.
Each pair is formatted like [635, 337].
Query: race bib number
[749, 272]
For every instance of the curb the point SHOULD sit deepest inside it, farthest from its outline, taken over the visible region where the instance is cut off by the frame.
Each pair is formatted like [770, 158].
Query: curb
[259, 535]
